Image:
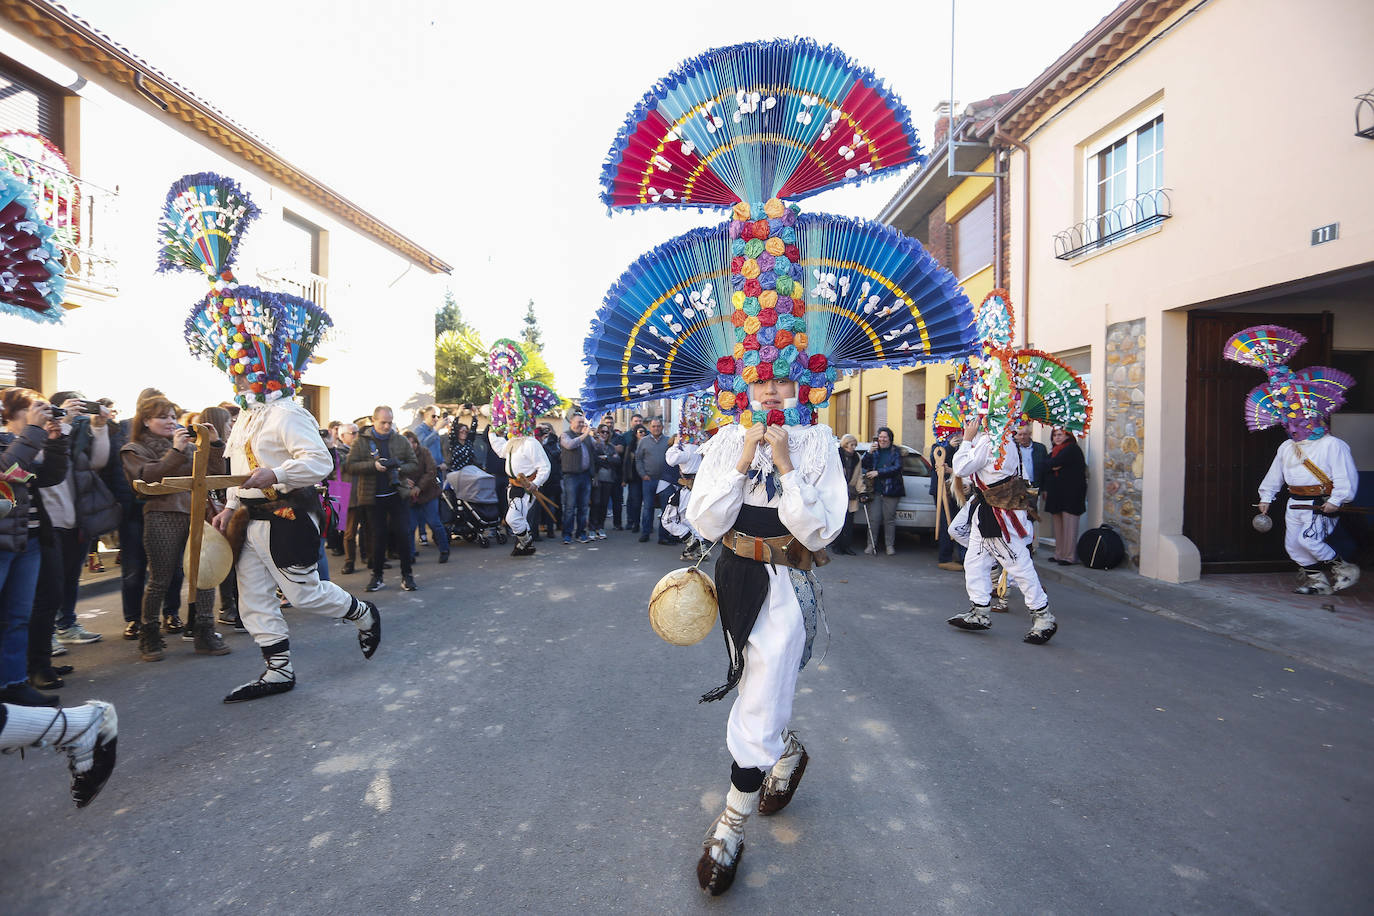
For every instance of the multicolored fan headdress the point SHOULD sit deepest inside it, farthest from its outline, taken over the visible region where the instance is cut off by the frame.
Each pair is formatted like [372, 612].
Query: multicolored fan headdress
[515, 405]
[32, 280]
[955, 409]
[1008, 385]
[261, 339]
[744, 127]
[1301, 401]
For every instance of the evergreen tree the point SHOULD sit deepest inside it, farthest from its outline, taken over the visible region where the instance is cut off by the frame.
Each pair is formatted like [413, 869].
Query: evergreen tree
[460, 368]
[531, 336]
[449, 317]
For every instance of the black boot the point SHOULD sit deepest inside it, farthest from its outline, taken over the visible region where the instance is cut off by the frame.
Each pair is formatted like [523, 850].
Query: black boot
[277, 677]
[369, 627]
[208, 642]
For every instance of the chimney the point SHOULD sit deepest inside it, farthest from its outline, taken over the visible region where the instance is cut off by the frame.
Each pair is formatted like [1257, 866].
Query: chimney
[942, 122]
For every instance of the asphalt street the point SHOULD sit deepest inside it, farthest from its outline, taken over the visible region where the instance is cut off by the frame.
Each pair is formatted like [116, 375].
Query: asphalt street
[523, 742]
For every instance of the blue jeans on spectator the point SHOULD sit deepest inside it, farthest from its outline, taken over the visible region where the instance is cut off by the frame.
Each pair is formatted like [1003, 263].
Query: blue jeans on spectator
[648, 494]
[322, 564]
[577, 492]
[18, 580]
[133, 569]
[427, 513]
[634, 498]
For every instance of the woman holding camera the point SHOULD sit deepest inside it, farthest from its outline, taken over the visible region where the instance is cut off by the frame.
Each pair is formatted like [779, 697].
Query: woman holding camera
[883, 469]
[31, 443]
[159, 447]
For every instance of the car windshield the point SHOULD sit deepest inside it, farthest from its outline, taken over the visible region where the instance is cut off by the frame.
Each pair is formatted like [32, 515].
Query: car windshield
[914, 465]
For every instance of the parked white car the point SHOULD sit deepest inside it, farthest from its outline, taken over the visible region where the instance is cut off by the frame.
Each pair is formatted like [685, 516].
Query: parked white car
[916, 509]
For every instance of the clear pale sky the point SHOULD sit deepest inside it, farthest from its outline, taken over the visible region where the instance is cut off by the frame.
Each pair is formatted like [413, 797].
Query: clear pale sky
[479, 129]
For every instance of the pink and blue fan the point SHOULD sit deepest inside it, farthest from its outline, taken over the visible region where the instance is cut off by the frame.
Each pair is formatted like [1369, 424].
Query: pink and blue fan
[1264, 346]
[749, 122]
[874, 297]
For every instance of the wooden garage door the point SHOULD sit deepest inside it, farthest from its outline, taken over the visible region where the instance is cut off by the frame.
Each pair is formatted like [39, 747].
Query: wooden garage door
[1224, 461]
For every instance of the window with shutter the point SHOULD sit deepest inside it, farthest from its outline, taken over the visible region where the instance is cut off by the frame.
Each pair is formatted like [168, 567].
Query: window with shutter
[973, 239]
[27, 104]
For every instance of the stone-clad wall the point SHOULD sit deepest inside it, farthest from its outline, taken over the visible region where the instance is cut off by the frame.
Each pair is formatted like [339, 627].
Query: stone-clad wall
[1123, 464]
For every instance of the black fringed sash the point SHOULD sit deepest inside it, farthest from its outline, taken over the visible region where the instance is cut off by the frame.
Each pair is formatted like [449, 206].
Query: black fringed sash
[741, 589]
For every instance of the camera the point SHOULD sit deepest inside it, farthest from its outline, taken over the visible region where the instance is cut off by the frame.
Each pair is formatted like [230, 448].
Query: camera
[58, 413]
[389, 463]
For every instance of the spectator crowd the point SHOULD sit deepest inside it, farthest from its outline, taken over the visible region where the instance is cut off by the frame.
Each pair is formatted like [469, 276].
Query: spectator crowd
[67, 466]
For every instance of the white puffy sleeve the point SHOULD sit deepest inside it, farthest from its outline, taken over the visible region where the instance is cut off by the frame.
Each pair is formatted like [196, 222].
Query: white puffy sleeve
[536, 453]
[1273, 481]
[813, 512]
[973, 456]
[718, 491]
[499, 444]
[308, 460]
[1345, 476]
[673, 455]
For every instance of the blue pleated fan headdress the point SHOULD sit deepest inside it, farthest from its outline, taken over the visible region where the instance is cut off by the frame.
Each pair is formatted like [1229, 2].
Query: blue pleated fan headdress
[772, 293]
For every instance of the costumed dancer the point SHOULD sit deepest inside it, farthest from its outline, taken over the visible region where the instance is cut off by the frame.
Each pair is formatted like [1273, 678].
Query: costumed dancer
[995, 525]
[685, 454]
[515, 408]
[1317, 468]
[87, 734]
[263, 341]
[804, 295]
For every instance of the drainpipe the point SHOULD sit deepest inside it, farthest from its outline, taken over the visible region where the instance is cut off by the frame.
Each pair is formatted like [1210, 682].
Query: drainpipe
[999, 137]
[999, 173]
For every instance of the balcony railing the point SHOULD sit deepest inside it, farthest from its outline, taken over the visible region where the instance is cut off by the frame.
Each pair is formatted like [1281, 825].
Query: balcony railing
[83, 216]
[1101, 231]
[296, 283]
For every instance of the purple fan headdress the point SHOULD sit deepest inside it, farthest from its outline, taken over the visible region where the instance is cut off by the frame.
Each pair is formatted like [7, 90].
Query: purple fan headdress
[1300, 401]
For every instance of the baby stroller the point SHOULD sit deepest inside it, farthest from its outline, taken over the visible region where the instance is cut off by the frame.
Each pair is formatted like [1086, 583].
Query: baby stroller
[470, 493]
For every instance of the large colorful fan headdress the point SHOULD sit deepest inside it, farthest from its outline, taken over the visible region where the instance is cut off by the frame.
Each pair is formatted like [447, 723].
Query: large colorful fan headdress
[516, 406]
[1008, 385]
[1301, 401]
[771, 293]
[751, 122]
[32, 281]
[261, 339]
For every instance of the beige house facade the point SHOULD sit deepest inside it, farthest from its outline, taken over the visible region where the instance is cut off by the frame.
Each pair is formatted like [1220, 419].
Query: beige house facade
[1187, 169]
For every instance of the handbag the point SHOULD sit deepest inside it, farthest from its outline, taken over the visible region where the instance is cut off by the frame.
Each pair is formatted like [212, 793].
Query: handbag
[340, 491]
[97, 509]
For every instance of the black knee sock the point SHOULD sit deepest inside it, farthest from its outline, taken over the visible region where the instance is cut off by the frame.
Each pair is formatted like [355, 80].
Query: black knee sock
[748, 779]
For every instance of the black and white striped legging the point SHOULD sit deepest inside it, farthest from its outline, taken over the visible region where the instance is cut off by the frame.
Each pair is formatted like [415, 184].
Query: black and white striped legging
[164, 540]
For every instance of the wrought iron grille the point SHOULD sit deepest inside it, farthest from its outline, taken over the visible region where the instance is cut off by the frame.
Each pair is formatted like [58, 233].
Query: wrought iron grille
[1125, 219]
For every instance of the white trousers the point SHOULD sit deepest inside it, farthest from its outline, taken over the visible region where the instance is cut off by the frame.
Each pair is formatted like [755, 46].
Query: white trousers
[515, 515]
[771, 662]
[1305, 535]
[1015, 559]
[259, 578]
[675, 518]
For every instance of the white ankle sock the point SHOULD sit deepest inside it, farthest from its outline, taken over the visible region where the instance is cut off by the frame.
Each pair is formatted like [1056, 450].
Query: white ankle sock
[42, 726]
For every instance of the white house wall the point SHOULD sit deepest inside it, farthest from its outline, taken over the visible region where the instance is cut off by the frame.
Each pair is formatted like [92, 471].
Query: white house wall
[382, 304]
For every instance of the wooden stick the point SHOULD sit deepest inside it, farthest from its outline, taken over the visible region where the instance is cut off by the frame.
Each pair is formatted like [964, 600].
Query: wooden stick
[169, 485]
[200, 463]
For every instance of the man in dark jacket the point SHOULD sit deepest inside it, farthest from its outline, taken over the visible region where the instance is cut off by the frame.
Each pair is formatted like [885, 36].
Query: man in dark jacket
[634, 494]
[383, 460]
[578, 460]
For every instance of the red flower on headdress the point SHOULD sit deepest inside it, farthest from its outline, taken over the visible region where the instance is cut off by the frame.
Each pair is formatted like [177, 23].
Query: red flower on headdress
[768, 317]
[792, 253]
[798, 308]
[726, 365]
[741, 401]
[803, 394]
[273, 385]
[782, 339]
[761, 229]
[817, 363]
[775, 418]
[738, 318]
[736, 263]
[751, 341]
[765, 371]
[752, 287]
[256, 387]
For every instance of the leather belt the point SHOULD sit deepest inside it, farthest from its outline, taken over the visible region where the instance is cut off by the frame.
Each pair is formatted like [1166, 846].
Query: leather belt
[1310, 490]
[783, 550]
